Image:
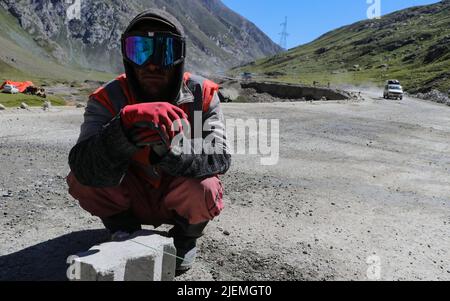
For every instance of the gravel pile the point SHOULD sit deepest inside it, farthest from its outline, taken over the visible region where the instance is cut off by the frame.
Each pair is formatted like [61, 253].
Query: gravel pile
[435, 96]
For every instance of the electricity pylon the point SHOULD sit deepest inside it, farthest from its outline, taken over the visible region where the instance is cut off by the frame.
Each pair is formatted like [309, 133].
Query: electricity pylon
[284, 34]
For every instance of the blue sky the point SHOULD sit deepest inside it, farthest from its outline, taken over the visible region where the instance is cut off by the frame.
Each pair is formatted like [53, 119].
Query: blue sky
[308, 19]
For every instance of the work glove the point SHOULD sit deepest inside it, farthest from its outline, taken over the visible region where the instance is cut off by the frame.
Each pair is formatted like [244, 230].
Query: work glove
[151, 123]
[145, 136]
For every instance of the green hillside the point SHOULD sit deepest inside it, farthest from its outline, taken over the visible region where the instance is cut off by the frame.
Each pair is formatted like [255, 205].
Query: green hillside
[21, 58]
[411, 45]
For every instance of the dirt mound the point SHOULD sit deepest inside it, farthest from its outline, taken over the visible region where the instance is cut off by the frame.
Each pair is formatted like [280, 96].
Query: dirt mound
[267, 92]
[436, 96]
[289, 91]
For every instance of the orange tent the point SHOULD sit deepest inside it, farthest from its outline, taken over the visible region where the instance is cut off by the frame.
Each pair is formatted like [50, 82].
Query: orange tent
[21, 86]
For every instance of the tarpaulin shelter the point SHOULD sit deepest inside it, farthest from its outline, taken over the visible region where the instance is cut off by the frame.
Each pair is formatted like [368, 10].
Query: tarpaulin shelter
[21, 86]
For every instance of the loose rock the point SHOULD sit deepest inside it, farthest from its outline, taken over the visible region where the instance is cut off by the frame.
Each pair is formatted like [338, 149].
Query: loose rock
[47, 105]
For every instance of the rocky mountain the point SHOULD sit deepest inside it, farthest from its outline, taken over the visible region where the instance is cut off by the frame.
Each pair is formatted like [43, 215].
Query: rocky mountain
[412, 45]
[218, 38]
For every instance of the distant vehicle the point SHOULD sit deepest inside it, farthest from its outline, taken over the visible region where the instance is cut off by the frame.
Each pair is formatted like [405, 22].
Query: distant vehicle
[393, 90]
[10, 89]
[246, 76]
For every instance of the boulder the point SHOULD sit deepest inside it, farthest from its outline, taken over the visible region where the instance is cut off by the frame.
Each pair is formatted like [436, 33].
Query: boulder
[228, 94]
[47, 105]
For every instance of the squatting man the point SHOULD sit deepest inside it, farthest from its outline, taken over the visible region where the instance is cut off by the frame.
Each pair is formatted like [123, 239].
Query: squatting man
[124, 169]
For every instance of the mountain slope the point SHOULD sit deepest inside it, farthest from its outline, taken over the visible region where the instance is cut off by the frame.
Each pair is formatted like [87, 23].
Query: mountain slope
[22, 58]
[412, 45]
[218, 38]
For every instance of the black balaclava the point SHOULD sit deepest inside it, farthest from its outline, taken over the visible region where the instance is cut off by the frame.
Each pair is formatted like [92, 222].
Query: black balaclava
[155, 16]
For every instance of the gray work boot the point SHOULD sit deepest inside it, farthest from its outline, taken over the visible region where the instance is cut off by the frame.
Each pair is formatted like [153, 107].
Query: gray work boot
[185, 239]
[186, 259]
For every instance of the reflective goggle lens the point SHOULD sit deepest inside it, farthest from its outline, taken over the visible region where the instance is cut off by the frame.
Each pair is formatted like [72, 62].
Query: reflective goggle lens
[160, 50]
[139, 49]
[169, 55]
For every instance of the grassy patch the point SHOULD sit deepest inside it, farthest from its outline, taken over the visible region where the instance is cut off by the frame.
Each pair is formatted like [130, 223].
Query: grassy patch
[15, 100]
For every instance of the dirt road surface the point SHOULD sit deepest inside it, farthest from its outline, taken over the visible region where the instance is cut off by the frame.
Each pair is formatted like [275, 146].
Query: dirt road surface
[361, 191]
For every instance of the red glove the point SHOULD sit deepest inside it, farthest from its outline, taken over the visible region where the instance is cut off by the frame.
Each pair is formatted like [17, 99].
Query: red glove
[149, 121]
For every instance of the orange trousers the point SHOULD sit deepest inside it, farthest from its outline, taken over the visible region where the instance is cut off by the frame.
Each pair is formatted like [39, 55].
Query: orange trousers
[196, 200]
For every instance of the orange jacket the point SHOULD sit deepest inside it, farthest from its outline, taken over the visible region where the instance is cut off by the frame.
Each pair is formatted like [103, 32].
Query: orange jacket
[197, 94]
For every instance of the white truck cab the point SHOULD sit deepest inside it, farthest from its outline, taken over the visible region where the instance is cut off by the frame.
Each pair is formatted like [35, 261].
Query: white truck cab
[393, 90]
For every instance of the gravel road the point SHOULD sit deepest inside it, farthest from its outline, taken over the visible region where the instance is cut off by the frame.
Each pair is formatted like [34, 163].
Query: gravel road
[359, 185]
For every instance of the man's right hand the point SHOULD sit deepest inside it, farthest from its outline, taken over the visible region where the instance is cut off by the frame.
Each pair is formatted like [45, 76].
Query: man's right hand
[151, 120]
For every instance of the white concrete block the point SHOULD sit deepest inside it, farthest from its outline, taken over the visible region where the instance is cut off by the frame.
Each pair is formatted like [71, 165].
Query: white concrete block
[144, 257]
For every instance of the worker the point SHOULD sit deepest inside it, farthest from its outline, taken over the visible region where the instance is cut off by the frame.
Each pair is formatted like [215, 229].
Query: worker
[125, 167]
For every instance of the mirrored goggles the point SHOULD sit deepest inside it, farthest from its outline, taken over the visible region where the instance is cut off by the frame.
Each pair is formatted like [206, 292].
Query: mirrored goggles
[159, 48]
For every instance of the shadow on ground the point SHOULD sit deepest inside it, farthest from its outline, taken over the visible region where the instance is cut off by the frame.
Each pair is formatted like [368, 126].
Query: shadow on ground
[47, 261]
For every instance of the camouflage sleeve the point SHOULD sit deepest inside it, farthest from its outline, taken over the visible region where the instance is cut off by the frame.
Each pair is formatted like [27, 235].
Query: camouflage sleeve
[213, 161]
[103, 153]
